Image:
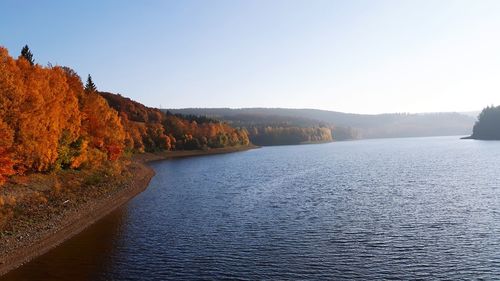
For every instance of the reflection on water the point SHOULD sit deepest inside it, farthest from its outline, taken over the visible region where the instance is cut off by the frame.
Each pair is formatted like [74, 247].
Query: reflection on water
[400, 209]
[81, 258]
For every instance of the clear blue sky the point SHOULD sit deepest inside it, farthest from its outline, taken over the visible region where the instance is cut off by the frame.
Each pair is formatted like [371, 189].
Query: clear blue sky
[355, 56]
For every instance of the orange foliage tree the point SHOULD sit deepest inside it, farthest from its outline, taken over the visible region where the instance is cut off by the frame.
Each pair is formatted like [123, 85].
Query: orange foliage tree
[6, 161]
[49, 119]
[101, 125]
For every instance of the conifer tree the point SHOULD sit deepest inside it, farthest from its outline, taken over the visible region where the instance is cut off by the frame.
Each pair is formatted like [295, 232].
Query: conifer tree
[90, 86]
[26, 53]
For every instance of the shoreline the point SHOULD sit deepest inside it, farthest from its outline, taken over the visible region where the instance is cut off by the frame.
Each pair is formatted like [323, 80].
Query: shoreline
[479, 138]
[84, 215]
[166, 155]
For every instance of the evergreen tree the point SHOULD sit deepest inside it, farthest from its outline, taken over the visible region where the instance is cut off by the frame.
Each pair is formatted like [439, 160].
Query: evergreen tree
[26, 53]
[90, 86]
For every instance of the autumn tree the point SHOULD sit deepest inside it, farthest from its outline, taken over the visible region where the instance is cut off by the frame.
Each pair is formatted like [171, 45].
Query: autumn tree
[43, 108]
[26, 53]
[6, 161]
[102, 126]
[53, 123]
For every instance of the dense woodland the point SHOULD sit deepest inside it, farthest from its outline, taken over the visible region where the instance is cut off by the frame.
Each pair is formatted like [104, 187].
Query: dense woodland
[49, 120]
[487, 126]
[149, 129]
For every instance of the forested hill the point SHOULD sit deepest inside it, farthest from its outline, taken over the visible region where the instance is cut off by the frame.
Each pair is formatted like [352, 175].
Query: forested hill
[487, 126]
[149, 129]
[346, 125]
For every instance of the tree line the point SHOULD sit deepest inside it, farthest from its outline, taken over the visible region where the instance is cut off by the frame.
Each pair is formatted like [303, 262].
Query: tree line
[277, 135]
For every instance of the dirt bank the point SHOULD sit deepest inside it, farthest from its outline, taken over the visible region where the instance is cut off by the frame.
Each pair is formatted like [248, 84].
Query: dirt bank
[72, 216]
[71, 222]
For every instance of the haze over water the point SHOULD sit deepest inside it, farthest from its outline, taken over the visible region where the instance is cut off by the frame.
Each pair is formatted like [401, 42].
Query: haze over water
[372, 209]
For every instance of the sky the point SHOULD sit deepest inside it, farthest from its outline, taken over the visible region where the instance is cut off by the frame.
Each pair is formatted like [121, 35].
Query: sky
[353, 56]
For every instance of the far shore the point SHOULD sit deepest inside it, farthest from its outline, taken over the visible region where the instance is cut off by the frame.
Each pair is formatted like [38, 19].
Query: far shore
[21, 248]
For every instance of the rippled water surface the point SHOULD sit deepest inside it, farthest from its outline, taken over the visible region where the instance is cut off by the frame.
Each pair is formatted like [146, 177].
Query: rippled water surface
[375, 209]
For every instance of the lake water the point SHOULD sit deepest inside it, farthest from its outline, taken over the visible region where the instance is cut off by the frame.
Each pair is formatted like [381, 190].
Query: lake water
[415, 208]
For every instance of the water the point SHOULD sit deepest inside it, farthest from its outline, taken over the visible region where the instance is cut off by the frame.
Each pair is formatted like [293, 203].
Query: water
[417, 208]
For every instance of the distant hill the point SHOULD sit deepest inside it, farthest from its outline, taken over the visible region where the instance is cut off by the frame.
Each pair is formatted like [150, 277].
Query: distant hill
[344, 125]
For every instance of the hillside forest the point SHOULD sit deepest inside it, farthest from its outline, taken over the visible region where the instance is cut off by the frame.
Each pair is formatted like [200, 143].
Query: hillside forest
[50, 120]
